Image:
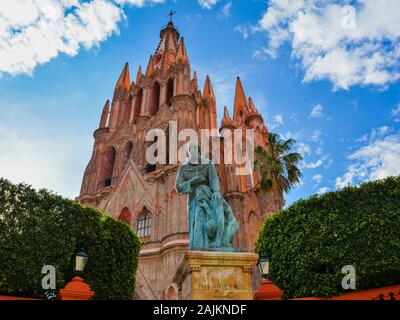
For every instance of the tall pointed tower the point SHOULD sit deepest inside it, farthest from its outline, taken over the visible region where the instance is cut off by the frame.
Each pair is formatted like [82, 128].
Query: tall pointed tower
[119, 181]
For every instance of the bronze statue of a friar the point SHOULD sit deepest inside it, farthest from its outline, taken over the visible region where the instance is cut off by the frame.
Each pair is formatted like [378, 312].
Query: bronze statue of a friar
[212, 223]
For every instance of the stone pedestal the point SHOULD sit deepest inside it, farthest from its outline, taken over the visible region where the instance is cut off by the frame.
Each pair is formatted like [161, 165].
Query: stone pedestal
[204, 275]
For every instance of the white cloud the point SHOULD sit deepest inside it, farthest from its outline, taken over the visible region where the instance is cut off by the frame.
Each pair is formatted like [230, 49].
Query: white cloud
[325, 161]
[374, 134]
[260, 53]
[245, 30]
[298, 136]
[316, 136]
[277, 121]
[139, 3]
[327, 48]
[33, 32]
[317, 178]
[328, 161]
[226, 10]
[395, 113]
[317, 112]
[363, 138]
[207, 4]
[304, 149]
[378, 159]
[383, 130]
[314, 165]
[323, 190]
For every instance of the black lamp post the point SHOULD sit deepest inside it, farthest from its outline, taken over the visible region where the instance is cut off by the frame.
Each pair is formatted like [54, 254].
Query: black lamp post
[263, 265]
[81, 259]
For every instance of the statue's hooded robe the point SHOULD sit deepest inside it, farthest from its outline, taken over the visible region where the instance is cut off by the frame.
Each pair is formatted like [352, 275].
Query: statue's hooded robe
[200, 214]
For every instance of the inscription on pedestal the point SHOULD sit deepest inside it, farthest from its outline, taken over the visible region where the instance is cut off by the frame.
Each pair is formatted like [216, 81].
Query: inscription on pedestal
[219, 275]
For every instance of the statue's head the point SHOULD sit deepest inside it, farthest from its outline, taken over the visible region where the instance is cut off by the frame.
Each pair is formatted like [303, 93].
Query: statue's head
[194, 152]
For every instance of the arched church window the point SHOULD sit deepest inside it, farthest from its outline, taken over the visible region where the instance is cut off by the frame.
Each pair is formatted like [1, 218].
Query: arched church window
[167, 149]
[170, 92]
[138, 103]
[155, 99]
[144, 224]
[106, 168]
[127, 154]
[125, 216]
[151, 167]
[252, 229]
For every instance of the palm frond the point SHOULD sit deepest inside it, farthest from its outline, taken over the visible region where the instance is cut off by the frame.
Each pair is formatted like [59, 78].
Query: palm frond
[278, 165]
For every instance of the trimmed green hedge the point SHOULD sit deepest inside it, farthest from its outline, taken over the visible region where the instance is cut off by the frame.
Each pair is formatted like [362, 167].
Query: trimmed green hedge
[39, 228]
[310, 242]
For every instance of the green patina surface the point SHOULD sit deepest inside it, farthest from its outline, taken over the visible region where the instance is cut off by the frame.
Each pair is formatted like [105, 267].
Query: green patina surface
[212, 223]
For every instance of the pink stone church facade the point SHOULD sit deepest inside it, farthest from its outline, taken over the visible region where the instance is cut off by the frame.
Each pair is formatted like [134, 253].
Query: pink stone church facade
[119, 181]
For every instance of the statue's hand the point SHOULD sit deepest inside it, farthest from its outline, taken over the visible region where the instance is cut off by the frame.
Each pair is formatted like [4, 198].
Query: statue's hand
[217, 196]
[198, 179]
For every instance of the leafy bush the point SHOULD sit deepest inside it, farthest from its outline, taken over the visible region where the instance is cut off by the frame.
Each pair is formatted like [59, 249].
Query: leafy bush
[310, 242]
[38, 228]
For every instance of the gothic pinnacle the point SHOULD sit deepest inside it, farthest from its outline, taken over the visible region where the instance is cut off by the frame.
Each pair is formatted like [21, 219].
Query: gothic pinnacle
[252, 108]
[226, 120]
[182, 53]
[150, 67]
[208, 92]
[240, 101]
[139, 75]
[104, 115]
[124, 82]
[195, 83]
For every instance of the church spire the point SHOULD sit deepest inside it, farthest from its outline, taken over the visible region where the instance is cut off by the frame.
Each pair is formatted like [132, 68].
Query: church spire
[211, 104]
[132, 87]
[226, 113]
[251, 104]
[139, 75]
[169, 29]
[226, 120]
[195, 83]
[150, 67]
[182, 53]
[240, 107]
[208, 92]
[166, 51]
[124, 82]
[104, 115]
[252, 114]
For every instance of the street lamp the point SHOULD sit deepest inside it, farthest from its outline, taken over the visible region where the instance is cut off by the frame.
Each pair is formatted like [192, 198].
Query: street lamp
[267, 290]
[263, 265]
[81, 259]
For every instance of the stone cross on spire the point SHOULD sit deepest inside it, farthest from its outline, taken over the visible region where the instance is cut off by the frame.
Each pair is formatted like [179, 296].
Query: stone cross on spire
[170, 15]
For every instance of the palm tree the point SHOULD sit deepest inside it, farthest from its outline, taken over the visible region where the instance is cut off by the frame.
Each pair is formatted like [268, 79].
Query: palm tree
[278, 165]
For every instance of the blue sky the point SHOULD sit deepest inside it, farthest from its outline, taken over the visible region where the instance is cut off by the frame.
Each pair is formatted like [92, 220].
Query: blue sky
[334, 89]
